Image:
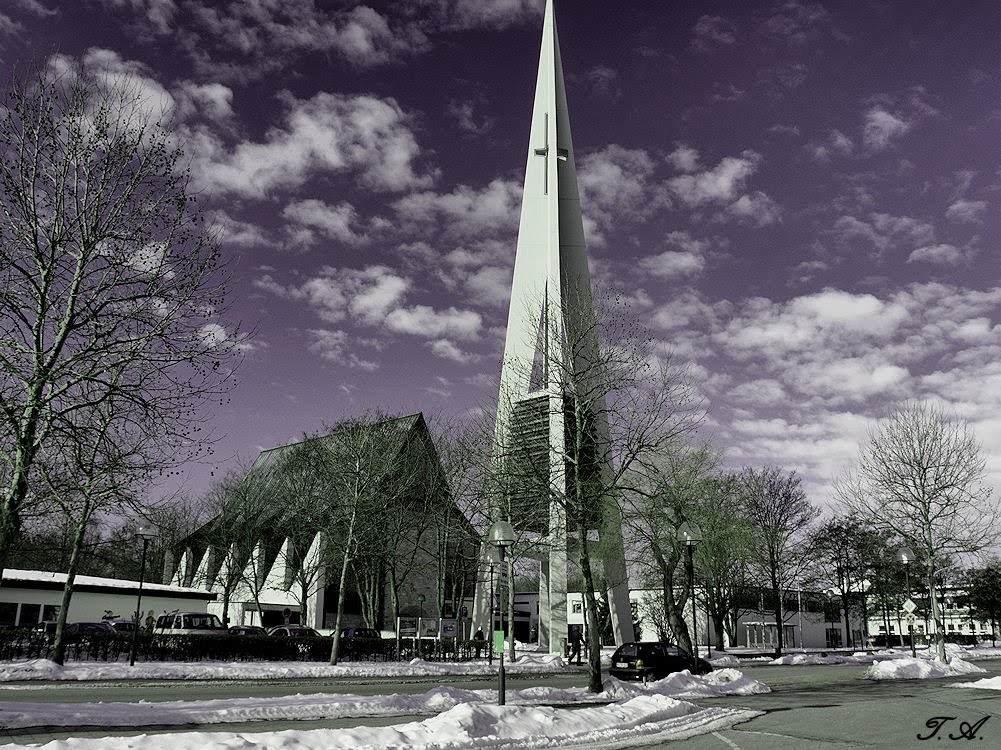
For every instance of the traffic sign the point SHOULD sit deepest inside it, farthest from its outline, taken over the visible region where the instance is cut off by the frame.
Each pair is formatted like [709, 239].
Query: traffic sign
[911, 619]
[909, 606]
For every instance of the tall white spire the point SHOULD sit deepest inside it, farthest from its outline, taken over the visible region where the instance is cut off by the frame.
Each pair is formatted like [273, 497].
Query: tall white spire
[551, 291]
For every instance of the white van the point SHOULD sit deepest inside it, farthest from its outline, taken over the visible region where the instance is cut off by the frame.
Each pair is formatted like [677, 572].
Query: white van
[189, 623]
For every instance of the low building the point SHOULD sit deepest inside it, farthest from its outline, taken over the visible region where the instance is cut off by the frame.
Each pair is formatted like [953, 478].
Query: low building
[28, 597]
[902, 620]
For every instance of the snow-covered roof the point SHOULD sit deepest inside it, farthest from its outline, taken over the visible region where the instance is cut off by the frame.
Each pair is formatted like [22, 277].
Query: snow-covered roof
[47, 579]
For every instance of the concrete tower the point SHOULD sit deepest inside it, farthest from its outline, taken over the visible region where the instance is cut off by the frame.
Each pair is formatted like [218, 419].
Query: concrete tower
[549, 343]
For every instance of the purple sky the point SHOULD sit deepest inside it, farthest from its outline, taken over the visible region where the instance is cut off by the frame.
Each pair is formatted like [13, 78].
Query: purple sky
[801, 197]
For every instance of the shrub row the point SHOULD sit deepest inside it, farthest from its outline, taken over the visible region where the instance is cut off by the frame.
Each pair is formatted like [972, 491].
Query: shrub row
[17, 644]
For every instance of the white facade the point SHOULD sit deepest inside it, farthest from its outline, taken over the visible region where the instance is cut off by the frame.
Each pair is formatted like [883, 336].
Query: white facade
[28, 597]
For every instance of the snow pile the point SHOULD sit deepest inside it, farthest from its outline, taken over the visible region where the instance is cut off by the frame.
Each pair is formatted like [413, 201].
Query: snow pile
[725, 660]
[43, 669]
[906, 668]
[988, 683]
[466, 725]
[686, 685]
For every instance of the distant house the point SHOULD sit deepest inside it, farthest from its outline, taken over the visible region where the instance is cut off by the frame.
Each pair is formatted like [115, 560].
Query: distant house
[28, 597]
[274, 554]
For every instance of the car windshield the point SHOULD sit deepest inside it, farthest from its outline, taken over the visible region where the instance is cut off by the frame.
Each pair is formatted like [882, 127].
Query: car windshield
[201, 622]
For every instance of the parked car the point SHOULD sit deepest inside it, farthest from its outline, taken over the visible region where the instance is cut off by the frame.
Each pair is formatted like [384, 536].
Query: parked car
[189, 623]
[370, 633]
[294, 631]
[652, 660]
[85, 628]
[247, 630]
[123, 626]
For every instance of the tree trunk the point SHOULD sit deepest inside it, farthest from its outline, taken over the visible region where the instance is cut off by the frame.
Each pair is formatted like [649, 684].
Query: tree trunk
[674, 611]
[335, 641]
[593, 636]
[59, 647]
[936, 611]
[848, 623]
[512, 650]
[718, 626]
[777, 611]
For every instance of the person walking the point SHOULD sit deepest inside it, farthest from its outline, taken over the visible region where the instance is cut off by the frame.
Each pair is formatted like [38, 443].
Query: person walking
[478, 641]
[575, 643]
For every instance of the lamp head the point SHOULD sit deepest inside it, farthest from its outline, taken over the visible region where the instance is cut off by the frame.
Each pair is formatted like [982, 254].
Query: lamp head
[905, 555]
[146, 532]
[689, 533]
[501, 534]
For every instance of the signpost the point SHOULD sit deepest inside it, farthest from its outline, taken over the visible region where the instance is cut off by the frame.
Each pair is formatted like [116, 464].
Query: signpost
[909, 607]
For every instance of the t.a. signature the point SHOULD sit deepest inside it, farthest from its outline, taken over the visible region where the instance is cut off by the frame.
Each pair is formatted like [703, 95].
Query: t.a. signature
[966, 731]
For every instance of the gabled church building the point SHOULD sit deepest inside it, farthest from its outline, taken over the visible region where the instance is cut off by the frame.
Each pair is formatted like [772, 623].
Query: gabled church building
[373, 489]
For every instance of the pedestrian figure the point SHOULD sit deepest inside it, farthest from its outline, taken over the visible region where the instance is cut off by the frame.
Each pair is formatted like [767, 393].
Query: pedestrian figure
[575, 643]
[478, 639]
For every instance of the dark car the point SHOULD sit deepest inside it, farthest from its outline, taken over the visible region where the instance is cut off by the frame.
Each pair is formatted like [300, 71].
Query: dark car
[123, 626]
[89, 627]
[363, 633]
[294, 631]
[653, 661]
[247, 630]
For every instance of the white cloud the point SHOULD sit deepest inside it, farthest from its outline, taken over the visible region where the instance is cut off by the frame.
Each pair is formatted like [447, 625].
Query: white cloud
[490, 285]
[882, 128]
[333, 347]
[712, 32]
[754, 208]
[447, 350]
[671, 264]
[718, 185]
[684, 158]
[213, 101]
[885, 231]
[463, 15]
[948, 255]
[232, 231]
[466, 212]
[422, 320]
[966, 211]
[327, 134]
[332, 222]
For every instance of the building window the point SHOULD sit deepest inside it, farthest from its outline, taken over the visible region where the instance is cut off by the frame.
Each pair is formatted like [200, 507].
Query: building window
[29, 615]
[8, 614]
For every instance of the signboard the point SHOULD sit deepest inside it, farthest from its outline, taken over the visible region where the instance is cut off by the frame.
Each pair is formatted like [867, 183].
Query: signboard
[464, 612]
[406, 627]
[498, 641]
[429, 627]
[911, 619]
[449, 628]
[909, 606]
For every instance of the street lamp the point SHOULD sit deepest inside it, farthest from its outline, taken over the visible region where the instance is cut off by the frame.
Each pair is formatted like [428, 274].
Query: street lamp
[690, 534]
[501, 536]
[906, 556]
[146, 533]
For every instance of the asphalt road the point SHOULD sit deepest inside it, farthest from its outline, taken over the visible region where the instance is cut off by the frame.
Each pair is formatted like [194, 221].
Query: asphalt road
[809, 707]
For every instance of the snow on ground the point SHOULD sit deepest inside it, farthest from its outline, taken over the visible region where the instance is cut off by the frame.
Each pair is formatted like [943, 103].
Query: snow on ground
[345, 705]
[906, 668]
[466, 725]
[725, 660]
[988, 683]
[952, 650]
[43, 669]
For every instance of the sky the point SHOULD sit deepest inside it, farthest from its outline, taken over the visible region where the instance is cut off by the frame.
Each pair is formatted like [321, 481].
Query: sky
[799, 198]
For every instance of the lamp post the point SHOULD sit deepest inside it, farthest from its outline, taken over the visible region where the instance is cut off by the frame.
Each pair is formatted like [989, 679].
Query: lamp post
[146, 533]
[501, 536]
[906, 556]
[492, 558]
[690, 534]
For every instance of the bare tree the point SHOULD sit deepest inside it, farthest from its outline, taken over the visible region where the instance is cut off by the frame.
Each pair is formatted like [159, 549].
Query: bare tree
[109, 287]
[670, 491]
[776, 507]
[920, 477]
[723, 556]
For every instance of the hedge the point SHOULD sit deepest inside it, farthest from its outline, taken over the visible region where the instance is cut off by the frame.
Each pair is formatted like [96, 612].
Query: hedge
[19, 644]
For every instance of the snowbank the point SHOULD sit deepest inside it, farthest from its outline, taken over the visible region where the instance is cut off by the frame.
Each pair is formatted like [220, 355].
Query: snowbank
[346, 705]
[467, 725]
[725, 660]
[906, 668]
[43, 669]
[988, 683]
